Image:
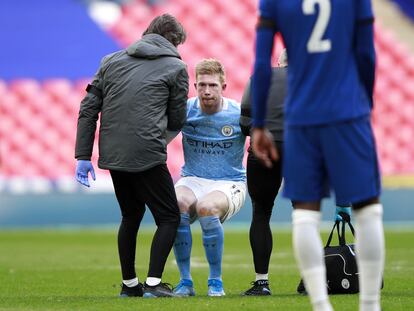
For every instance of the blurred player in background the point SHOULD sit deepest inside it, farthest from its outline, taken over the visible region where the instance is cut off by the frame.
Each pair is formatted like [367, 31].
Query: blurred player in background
[263, 183]
[328, 136]
[212, 187]
[141, 94]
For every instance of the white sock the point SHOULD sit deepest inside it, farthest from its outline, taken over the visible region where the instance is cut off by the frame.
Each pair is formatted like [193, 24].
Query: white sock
[131, 283]
[262, 276]
[370, 253]
[153, 281]
[308, 249]
[315, 283]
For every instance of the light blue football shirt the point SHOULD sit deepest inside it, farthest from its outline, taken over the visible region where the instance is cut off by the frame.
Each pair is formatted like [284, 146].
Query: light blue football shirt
[213, 144]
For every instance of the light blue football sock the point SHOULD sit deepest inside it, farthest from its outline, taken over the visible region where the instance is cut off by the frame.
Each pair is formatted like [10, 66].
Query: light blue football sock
[182, 247]
[213, 240]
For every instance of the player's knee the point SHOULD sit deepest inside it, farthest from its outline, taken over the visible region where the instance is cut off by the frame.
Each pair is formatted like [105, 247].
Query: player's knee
[262, 207]
[202, 212]
[261, 217]
[132, 215]
[183, 204]
[176, 220]
[368, 213]
[170, 219]
[362, 204]
[207, 209]
[131, 220]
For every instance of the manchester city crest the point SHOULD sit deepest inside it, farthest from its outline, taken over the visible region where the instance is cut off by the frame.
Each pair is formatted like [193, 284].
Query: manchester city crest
[227, 130]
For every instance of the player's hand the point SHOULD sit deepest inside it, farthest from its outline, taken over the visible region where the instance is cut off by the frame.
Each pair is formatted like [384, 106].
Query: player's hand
[263, 147]
[83, 167]
[342, 214]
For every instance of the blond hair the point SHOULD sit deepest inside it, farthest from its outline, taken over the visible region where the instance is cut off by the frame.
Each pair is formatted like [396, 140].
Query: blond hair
[211, 66]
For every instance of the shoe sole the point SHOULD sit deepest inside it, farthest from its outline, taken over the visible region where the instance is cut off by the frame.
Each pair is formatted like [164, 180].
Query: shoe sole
[216, 294]
[149, 295]
[244, 294]
[128, 296]
[188, 293]
[184, 295]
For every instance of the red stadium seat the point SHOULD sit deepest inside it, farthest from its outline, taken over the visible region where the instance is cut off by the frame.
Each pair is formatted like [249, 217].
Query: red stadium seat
[3, 88]
[409, 62]
[58, 89]
[407, 88]
[25, 89]
[8, 104]
[136, 11]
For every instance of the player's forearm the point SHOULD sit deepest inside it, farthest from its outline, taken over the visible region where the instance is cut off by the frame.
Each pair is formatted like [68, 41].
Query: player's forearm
[262, 75]
[365, 56]
[84, 142]
[177, 105]
[88, 116]
[245, 125]
[246, 110]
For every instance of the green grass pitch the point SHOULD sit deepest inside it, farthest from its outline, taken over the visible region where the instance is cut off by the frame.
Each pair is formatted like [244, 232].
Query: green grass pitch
[79, 270]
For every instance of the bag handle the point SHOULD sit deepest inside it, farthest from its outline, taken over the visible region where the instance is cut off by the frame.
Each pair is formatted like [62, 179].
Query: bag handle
[336, 225]
[341, 235]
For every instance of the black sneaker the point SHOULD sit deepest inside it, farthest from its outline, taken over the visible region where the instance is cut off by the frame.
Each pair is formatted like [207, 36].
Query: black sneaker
[160, 290]
[259, 288]
[135, 291]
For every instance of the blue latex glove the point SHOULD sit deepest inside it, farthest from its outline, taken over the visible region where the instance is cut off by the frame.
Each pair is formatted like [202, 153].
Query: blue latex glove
[345, 210]
[83, 167]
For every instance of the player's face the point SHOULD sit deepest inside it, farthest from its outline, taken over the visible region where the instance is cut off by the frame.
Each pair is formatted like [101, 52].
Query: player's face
[210, 91]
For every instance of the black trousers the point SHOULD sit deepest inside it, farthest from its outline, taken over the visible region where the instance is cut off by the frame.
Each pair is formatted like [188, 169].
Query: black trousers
[263, 185]
[154, 188]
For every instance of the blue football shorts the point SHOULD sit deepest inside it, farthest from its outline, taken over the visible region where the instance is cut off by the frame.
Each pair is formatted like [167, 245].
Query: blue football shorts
[339, 157]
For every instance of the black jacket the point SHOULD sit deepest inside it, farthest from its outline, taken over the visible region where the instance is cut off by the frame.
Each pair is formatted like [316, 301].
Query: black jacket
[144, 92]
[275, 106]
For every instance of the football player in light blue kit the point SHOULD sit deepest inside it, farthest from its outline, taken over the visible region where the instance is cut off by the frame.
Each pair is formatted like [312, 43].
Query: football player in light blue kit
[329, 142]
[212, 187]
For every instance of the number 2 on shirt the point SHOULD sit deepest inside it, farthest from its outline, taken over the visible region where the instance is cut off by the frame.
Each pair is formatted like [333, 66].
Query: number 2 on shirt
[315, 43]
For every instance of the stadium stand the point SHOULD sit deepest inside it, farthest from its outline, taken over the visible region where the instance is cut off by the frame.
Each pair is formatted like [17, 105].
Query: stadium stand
[38, 109]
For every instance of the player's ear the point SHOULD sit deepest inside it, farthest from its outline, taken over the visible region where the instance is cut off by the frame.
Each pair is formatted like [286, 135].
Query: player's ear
[195, 85]
[223, 87]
